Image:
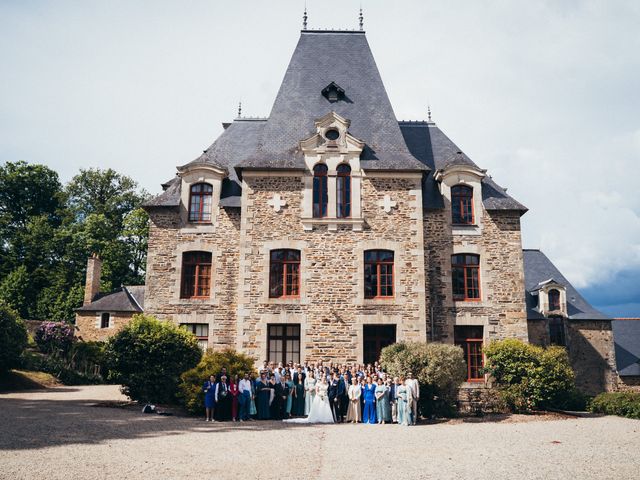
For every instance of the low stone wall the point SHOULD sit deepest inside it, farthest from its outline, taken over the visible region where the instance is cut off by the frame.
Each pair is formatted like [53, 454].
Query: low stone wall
[629, 384]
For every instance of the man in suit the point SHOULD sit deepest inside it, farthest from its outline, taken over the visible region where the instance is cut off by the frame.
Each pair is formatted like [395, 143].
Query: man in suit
[336, 397]
[298, 373]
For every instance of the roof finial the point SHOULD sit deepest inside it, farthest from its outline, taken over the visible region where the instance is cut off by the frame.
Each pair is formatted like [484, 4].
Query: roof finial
[429, 112]
[240, 109]
[304, 17]
[361, 18]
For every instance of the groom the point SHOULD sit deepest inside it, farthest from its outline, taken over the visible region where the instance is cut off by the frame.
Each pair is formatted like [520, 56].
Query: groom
[337, 391]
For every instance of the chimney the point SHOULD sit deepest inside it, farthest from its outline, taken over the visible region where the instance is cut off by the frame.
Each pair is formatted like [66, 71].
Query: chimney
[92, 285]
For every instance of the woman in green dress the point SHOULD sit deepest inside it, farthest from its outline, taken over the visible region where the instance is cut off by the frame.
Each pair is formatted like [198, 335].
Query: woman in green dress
[297, 410]
[383, 408]
[291, 386]
[404, 407]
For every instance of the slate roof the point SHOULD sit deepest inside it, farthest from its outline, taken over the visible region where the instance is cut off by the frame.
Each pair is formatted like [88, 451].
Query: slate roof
[433, 148]
[538, 268]
[322, 57]
[626, 334]
[127, 299]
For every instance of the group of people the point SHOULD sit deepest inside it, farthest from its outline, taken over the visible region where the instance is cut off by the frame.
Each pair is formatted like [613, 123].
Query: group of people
[313, 393]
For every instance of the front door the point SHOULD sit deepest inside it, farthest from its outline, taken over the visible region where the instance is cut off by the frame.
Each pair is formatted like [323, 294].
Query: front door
[376, 337]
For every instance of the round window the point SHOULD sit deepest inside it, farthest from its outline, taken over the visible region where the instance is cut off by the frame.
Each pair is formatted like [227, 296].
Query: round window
[332, 134]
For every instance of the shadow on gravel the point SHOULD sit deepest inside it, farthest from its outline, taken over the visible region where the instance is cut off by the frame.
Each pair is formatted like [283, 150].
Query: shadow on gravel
[34, 424]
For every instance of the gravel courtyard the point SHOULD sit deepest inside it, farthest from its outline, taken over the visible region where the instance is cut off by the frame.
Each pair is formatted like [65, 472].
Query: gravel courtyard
[58, 434]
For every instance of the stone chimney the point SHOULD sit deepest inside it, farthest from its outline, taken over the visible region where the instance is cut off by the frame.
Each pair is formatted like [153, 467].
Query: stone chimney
[92, 285]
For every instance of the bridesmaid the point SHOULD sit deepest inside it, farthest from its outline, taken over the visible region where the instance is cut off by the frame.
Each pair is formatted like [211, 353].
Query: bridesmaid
[354, 414]
[404, 409]
[383, 408]
[298, 397]
[310, 390]
[369, 393]
[233, 390]
[291, 386]
[263, 394]
[209, 389]
[252, 408]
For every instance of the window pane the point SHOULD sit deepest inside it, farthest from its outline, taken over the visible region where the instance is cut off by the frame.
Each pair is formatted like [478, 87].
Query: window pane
[457, 280]
[275, 280]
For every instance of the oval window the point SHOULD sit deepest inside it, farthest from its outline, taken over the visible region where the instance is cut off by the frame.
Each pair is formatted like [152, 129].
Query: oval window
[332, 134]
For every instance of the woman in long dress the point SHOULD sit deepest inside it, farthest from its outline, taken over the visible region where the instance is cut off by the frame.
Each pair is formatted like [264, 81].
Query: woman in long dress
[253, 411]
[404, 409]
[263, 394]
[297, 410]
[291, 386]
[369, 394]
[209, 389]
[233, 390]
[383, 408]
[310, 391]
[354, 414]
[320, 409]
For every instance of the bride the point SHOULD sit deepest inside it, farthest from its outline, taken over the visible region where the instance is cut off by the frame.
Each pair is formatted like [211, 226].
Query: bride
[320, 409]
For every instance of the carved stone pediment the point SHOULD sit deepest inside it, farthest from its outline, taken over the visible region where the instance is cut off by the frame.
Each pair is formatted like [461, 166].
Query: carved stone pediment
[332, 137]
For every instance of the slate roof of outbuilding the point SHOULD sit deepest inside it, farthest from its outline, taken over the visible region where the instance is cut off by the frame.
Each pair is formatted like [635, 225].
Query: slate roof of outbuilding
[127, 299]
[538, 268]
[626, 334]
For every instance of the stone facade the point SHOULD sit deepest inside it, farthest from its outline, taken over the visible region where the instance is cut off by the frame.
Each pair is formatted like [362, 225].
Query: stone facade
[88, 325]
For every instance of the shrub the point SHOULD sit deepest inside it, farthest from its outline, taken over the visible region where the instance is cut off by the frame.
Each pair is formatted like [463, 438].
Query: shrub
[147, 357]
[211, 363]
[530, 377]
[54, 338]
[439, 368]
[13, 338]
[624, 404]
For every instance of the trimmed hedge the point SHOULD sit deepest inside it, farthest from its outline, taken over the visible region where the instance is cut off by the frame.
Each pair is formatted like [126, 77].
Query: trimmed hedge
[623, 404]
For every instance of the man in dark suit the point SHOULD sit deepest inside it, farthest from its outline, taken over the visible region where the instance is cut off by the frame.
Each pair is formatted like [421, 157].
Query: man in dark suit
[336, 397]
[298, 373]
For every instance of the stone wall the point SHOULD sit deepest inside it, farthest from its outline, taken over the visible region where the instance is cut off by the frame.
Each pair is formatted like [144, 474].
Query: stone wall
[629, 384]
[88, 325]
[168, 239]
[331, 309]
[501, 310]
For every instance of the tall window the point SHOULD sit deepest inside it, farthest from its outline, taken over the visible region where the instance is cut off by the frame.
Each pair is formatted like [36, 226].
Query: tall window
[284, 274]
[462, 205]
[283, 343]
[196, 275]
[554, 300]
[105, 319]
[465, 276]
[343, 191]
[470, 340]
[556, 331]
[201, 331]
[320, 191]
[378, 274]
[200, 203]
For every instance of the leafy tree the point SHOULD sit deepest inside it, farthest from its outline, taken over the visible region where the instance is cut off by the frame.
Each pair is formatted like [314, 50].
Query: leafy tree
[13, 337]
[135, 235]
[148, 356]
[13, 290]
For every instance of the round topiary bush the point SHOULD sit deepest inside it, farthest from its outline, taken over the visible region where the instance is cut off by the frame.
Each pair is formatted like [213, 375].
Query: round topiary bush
[439, 368]
[148, 356]
[54, 338]
[13, 338]
[191, 381]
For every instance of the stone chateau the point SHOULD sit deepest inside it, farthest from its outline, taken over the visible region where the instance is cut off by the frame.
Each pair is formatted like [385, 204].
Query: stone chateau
[329, 230]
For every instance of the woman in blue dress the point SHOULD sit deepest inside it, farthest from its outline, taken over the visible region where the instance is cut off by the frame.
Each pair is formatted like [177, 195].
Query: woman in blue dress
[383, 408]
[403, 395]
[252, 408]
[263, 394]
[209, 389]
[369, 394]
[291, 385]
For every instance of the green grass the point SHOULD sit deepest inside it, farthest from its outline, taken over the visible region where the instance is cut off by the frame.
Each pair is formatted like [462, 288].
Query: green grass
[16, 380]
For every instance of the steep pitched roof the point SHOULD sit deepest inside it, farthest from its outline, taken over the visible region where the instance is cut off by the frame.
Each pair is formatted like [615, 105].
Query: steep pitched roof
[626, 334]
[320, 58]
[537, 269]
[433, 148]
[127, 299]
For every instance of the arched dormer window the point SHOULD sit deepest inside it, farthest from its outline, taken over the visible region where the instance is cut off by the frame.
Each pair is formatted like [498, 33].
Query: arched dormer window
[320, 190]
[343, 191]
[462, 205]
[200, 203]
[554, 300]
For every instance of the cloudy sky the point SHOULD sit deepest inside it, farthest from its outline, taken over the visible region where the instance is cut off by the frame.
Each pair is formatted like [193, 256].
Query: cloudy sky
[545, 95]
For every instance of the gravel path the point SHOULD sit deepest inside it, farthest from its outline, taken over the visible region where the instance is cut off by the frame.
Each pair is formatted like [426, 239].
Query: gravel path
[58, 434]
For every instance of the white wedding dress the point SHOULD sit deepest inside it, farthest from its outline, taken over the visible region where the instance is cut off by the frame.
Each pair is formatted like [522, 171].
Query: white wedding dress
[320, 409]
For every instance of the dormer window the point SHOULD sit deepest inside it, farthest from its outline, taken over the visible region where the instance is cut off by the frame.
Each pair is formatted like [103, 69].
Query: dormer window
[333, 92]
[462, 205]
[200, 203]
[554, 300]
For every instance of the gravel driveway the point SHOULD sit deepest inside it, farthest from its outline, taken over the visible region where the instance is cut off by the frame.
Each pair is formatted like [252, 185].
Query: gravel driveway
[58, 434]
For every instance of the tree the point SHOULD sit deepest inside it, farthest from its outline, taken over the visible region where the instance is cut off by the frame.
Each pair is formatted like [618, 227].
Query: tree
[13, 337]
[148, 356]
[13, 290]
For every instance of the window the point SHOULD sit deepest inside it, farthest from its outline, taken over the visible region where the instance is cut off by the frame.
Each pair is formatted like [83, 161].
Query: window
[343, 191]
[200, 203]
[470, 340]
[201, 331]
[378, 274]
[554, 300]
[556, 332]
[462, 205]
[320, 191]
[284, 274]
[105, 320]
[283, 343]
[465, 277]
[196, 275]
[375, 338]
